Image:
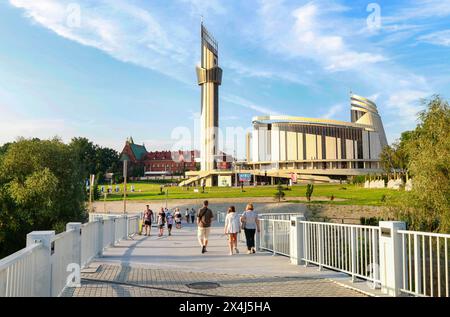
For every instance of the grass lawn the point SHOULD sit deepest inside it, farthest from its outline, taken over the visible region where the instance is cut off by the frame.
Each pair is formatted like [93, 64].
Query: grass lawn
[353, 194]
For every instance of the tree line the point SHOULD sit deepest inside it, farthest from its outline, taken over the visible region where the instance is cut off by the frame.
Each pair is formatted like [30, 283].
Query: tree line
[424, 155]
[43, 185]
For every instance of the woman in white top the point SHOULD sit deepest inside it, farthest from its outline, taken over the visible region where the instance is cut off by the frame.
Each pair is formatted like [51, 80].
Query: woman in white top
[232, 228]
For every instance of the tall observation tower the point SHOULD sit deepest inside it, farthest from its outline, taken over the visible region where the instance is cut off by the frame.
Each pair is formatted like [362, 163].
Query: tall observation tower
[209, 76]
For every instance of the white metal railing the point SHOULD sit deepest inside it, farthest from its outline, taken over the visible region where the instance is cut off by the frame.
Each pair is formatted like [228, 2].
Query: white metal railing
[62, 254]
[425, 263]
[21, 273]
[352, 249]
[133, 225]
[278, 216]
[40, 269]
[90, 241]
[274, 236]
[221, 216]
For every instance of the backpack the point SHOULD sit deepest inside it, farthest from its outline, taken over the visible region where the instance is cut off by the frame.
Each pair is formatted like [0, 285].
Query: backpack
[201, 215]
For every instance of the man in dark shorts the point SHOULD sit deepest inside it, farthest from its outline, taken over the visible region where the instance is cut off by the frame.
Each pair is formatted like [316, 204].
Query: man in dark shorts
[148, 217]
[204, 219]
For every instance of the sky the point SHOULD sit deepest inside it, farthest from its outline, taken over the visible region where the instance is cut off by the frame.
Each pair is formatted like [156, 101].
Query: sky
[107, 70]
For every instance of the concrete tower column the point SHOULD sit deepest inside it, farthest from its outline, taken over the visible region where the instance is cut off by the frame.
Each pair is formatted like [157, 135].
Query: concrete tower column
[209, 76]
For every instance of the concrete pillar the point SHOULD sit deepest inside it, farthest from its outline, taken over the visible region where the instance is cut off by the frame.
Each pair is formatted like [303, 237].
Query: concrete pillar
[43, 271]
[76, 247]
[296, 239]
[99, 219]
[391, 256]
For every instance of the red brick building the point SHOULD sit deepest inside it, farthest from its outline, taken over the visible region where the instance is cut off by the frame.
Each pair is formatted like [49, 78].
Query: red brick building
[158, 162]
[141, 162]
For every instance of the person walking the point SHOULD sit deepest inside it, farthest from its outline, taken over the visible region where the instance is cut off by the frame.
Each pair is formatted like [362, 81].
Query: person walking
[232, 228]
[169, 218]
[192, 214]
[250, 224]
[177, 216]
[186, 214]
[148, 217]
[204, 219]
[161, 222]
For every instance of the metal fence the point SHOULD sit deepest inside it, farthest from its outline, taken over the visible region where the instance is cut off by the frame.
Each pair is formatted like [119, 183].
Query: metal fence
[90, 238]
[425, 263]
[352, 249]
[41, 269]
[21, 273]
[274, 236]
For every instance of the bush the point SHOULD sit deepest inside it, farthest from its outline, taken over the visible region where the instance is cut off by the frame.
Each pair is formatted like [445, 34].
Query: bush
[279, 194]
[309, 191]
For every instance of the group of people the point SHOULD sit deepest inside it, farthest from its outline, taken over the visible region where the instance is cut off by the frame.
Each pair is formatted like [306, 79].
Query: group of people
[163, 217]
[234, 224]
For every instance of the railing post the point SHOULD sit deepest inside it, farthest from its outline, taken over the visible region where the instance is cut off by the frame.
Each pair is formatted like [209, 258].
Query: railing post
[273, 237]
[100, 221]
[353, 251]
[417, 266]
[391, 256]
[76, 247]
[296, 240]
[43, 285]
[258, 237]
[320, 245]
[127, 219]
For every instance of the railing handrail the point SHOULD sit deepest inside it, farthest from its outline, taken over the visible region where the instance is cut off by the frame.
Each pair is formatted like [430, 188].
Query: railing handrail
[423, 233]
[17, 256]
[341, 224]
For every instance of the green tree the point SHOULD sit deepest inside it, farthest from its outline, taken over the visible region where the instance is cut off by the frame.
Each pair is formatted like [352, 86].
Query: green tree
[4, 148]
[396, 157]
[428, 148]
[279, 194]
[309, 191]
[41, 188]
[95, 160]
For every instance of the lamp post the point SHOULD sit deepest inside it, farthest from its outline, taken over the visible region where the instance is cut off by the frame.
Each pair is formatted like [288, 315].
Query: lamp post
[125, 172]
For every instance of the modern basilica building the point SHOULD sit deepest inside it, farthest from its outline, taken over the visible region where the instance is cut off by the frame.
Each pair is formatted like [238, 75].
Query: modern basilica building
[285, 147]
[319, 149]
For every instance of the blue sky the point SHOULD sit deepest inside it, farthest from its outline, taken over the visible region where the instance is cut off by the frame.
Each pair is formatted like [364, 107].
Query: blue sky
[110, 69]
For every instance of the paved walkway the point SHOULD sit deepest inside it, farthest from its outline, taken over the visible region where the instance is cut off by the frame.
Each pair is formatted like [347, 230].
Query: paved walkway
[153, 266]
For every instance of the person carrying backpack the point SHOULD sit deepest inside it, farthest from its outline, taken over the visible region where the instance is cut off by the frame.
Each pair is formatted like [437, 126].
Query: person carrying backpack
[204, 219]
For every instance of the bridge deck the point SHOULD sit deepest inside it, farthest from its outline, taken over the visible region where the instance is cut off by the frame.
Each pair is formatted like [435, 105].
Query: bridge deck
[153, 266]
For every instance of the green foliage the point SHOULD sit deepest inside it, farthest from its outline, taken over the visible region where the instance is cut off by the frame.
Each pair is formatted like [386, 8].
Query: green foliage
[428, 148]
[373, 221]
[358, 179]
[309, 191]
[279, 194]
[396, 157]
[95, 159]
[41, 188]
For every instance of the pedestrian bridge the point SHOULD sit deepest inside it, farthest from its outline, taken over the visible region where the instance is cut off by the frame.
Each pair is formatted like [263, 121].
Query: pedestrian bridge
[295, 258]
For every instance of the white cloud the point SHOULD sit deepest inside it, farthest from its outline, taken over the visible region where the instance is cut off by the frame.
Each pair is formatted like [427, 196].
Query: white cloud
[406, 105]
[420, 9]
[262, 72]
[312, 35]
[248, 104]
[333, 111]
[124, 31]
[441, 38]
[201, 7]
